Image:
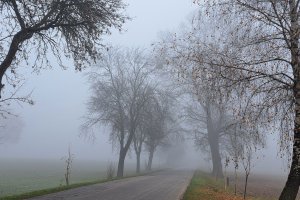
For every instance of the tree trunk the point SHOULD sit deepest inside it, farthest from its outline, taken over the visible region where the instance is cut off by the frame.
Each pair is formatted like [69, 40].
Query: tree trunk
[138, 162]
[215, 155]
[213, 140]
[151, 153]
[246, 183]
[19, 38]
[291, 187]
[121, 162]
[235, 180]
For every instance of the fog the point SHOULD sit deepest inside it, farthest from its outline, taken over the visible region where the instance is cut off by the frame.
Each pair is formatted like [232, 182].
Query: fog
[52, 124]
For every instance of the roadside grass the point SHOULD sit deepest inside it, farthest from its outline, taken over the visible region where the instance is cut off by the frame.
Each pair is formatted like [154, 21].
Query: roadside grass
[49, 191]
[25, 176]
[63, 188]
[203, 186]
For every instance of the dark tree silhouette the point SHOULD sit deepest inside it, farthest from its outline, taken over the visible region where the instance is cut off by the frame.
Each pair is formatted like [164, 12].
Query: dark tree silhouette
[120, 92]
[31, 29]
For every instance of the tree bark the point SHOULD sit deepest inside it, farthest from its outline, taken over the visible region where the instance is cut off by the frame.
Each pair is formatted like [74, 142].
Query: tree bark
[123, 152]
[215, 155]
[213, 140]
[291, 187]
[17, 40]
[246, 183]
[151, 154]
[138, 162]
[235, 180]
[122, 155]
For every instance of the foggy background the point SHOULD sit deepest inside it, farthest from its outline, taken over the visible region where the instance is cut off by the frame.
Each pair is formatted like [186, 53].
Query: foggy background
[52, 124]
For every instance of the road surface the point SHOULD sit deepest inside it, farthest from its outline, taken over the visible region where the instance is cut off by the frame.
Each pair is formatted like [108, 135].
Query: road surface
[163, 185]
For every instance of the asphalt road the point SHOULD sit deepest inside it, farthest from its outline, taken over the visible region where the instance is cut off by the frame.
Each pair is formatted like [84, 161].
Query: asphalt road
[163, 185]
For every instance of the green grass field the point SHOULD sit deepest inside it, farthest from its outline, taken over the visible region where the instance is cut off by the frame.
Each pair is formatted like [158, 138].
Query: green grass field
[17, 177]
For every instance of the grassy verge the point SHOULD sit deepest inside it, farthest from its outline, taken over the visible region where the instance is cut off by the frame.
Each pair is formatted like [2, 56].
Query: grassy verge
[48, 191]
[62, 188]
[203, 186]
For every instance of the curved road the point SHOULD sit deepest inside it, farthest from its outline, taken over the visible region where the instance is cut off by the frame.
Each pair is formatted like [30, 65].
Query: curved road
[163, 185]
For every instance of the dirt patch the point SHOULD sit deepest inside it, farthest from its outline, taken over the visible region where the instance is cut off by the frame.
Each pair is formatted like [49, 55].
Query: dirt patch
[263, 186]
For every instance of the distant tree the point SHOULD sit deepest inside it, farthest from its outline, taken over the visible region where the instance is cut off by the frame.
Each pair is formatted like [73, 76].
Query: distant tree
[32, 29]
[196, 53]
[110, 171]
[209, 113]
[159, 125]
[140, 137]
[138, 141]
[68, 160]
[120, 91]
[209, 123]
[226, 178]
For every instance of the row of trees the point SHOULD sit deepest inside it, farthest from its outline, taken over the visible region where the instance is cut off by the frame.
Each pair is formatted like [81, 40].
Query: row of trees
[246, 54]
[216, 115]
[137, 111]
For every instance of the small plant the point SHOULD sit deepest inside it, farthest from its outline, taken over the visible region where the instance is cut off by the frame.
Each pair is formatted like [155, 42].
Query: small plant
[69, 161]
[247, 166]
[236, 166]
[110, 173]
[226, 179]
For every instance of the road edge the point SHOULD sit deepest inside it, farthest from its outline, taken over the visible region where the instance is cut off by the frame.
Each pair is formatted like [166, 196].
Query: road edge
[188, 181]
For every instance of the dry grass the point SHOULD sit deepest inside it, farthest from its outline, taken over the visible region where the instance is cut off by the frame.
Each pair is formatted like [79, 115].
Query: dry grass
[205, 187]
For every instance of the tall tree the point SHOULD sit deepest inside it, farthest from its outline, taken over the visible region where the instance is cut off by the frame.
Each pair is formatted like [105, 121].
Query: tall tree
[120, 92]
[138, 142]
[159, 124]
[210, 113]
[266, 60]
[31, 29]
[209, 123]
[199, 52]
[140, 135]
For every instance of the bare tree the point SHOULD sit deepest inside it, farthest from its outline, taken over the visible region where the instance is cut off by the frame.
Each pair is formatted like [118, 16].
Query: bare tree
[68, 160]
[110, 171]
[226, 178]
[263, 57]
[209, 113]
[247, 164]
[202, 54]
[120, 92]
[159, 126]
[31, 29]
[208, 122]
[139, 139]
[235, 150]
[10, 99]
